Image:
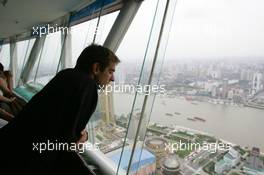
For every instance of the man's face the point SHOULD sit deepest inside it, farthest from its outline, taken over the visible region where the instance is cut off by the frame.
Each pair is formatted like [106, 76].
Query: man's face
[105, 77]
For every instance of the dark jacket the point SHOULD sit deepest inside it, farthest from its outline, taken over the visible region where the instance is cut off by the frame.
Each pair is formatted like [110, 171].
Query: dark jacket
[57, 114]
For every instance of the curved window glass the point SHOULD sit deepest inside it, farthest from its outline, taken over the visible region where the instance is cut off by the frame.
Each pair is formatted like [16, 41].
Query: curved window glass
[210, 66]
[207, 80]
[115, 126]
[23, 52]
[47, 62]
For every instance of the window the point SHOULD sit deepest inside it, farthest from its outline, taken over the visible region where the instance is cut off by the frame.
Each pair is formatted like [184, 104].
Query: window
[5, 55]
[46, 65]
[211, 65]
[209, 71]
[23, 52]
[114, 127]
[83, 34]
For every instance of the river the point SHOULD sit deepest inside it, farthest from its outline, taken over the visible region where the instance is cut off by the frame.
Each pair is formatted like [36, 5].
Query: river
[240, 125]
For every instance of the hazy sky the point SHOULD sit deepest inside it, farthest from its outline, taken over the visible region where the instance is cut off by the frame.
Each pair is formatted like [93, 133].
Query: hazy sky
[204, 28]
[200, 29]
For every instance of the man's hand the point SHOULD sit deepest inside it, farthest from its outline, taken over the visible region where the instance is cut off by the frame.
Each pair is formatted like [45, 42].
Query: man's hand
[84, 137]
[12, 99]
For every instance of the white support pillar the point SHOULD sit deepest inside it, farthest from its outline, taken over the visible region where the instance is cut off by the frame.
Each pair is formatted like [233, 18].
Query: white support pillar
[13, 59]
[66, 54]
[122, 23]
[37, 47]
[65, 57]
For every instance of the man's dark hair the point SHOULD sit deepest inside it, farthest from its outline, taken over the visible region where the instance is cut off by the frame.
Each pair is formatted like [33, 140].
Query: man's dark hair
[95, 54]
[1, 67]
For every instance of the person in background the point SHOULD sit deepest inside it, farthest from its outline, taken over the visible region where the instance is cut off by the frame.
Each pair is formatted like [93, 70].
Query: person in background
[7, 99]
[6, 81]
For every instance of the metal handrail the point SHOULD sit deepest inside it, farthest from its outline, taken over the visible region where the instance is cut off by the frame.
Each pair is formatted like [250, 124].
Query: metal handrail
[105, 164]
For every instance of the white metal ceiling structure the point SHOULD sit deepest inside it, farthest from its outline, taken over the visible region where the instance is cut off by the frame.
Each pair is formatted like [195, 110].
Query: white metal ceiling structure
[19, 16]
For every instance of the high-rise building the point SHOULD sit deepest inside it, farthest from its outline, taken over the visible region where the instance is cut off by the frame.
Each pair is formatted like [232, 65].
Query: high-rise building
[230, 94]
[224, 88]
[134, 124]
[256, 83]
[243, 74]
[107, 109]
[229, 160]
[157, 146]
[254, 164]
